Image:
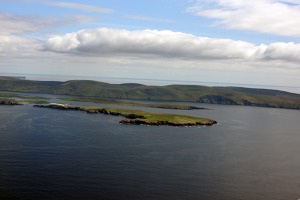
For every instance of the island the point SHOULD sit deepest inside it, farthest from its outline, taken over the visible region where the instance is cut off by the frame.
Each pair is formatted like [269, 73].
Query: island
[136, 116]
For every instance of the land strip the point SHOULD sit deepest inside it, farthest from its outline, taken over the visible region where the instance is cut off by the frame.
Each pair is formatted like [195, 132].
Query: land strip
[136, 116]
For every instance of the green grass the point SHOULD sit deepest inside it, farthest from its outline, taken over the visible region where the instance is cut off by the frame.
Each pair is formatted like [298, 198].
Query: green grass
[149, 117]
[172, 118]
[6, 99]
[21, 96]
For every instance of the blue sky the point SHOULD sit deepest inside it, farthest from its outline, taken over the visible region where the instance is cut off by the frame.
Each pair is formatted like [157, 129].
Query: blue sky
[230, 41]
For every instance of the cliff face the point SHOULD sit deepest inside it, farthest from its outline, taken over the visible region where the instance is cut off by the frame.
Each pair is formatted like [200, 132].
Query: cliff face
[216, 99]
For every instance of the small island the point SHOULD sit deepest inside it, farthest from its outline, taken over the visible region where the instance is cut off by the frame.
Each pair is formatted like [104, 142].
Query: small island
[136, 116]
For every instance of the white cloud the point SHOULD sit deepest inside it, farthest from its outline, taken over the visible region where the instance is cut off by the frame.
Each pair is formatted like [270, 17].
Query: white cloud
[167, 44]
[283, 51]
[77, 6]
[14, 46]
[149, 42]
[123, 53]
[15, 33]
[279, 17]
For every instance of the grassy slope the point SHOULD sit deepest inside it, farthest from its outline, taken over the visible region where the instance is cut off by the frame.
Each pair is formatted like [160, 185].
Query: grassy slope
[126, 103]
[191, 93]
[154, 117]
[20, 96]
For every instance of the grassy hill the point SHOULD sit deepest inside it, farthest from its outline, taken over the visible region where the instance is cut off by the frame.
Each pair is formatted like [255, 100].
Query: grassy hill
[190, 93]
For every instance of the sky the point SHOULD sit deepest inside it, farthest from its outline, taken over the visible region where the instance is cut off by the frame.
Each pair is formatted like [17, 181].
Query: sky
[217, 41]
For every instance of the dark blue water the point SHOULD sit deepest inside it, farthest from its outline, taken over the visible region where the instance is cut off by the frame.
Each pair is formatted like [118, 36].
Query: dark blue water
[253, 153]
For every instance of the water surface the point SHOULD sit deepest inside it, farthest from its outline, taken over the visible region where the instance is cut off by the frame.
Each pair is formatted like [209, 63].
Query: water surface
[252, 153]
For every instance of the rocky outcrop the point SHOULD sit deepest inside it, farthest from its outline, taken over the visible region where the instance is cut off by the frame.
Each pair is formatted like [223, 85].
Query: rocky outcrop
[216, 99]
[197, 108]
[166, 123]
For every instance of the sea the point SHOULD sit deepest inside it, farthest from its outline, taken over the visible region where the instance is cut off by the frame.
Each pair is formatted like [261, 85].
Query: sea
[251, 154]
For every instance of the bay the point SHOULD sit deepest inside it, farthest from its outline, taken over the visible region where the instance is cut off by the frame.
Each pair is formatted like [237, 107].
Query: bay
[252, 153]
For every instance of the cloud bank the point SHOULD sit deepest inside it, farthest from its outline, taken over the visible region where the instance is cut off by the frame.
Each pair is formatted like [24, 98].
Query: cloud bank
[12, 46]
[279, 17]
[167, 44]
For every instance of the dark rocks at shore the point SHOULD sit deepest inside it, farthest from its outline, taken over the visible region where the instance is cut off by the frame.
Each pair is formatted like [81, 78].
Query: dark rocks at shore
[59, 107]
[166, 123]
[133, 116]
[9, 103]
[197, 108]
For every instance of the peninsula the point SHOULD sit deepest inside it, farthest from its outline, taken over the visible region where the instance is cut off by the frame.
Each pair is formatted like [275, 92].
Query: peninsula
[131, 116]
[136, 116]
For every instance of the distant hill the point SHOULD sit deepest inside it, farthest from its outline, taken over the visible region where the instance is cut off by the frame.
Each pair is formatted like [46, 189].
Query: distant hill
[190, 93]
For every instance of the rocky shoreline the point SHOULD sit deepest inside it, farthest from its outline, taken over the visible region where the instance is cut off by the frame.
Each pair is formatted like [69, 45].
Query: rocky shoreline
[9, 103]
[130, 118]
[166, 123]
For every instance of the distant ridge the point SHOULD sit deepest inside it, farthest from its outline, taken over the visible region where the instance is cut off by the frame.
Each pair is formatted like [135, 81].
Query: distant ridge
[189, 93]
